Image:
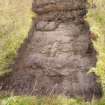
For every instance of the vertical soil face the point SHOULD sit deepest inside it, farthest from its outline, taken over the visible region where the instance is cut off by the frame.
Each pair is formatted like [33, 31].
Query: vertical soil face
[55, 58]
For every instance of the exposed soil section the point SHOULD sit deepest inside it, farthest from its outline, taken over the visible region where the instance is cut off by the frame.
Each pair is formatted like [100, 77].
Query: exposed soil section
[57, 55]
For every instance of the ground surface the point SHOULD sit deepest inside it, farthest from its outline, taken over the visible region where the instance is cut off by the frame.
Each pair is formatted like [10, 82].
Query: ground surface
[57, 55]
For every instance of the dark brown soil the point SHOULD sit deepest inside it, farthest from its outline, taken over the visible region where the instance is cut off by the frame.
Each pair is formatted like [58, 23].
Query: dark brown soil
[57, 55]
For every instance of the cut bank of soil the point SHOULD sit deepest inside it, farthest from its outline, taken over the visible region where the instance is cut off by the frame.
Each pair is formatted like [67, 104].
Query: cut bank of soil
[57, 55]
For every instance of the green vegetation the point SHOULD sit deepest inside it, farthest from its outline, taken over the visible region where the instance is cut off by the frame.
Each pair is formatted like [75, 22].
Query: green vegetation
[14, 25]
[47, 101]
[15, 20]
[41, 101]
[96, 19]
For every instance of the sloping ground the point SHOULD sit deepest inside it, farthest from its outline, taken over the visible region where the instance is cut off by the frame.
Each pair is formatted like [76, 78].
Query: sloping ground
[96, 18]
[57, 55]
[15, 21]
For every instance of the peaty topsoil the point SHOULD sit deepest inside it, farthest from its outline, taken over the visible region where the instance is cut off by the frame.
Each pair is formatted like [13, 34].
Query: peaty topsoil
[57, 55]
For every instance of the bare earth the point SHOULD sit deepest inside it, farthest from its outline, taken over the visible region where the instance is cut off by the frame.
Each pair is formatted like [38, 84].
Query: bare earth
[56, 56]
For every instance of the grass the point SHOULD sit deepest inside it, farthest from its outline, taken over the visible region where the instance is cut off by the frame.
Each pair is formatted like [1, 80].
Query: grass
[15, 20]
[96, 19]
[47, 101]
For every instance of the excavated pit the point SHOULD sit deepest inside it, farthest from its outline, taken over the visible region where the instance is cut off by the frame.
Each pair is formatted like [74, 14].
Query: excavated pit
[57, 55]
